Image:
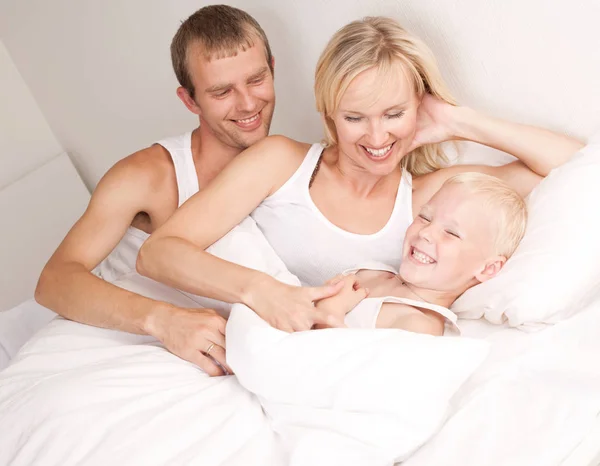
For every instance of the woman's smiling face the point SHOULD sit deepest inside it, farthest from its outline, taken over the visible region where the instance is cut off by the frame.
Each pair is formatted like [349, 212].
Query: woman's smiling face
[376, 119]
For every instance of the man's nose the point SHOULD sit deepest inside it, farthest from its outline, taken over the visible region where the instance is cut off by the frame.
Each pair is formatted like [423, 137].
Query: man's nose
[246, 102]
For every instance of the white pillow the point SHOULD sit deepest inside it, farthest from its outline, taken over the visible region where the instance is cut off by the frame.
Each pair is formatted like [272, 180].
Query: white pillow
[555, 270]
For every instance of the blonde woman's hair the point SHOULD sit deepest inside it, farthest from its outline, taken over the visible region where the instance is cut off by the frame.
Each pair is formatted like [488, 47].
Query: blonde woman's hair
[382, 43]
[508, 207]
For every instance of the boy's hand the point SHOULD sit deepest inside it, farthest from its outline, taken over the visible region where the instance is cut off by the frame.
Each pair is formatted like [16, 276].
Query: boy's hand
[339, 305]
[292, 308]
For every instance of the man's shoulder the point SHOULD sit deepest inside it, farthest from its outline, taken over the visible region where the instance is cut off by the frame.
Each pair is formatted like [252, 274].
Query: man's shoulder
[149, 170]
[152, 165]
[152, 161]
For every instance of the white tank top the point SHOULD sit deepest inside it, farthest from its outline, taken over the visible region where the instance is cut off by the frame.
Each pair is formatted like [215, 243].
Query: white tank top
[121, 261]
[365, 314]
[313, 248]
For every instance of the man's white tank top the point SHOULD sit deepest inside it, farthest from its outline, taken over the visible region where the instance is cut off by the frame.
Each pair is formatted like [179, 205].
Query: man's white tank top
[313, 248]
[121, 261]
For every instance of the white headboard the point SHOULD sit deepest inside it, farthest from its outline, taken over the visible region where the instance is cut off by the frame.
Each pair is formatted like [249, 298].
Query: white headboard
[36, 212]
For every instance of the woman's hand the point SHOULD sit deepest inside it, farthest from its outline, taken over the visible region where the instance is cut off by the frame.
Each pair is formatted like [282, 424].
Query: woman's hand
[291, 308]
[437, 121]
[539, 149]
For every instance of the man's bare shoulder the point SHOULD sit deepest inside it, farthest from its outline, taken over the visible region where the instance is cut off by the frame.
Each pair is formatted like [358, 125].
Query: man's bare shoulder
[152, 164]
[148, 170]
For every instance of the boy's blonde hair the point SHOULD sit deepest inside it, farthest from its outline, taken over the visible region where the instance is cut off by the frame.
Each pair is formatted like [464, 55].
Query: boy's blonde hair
[508, 206]
[379, 42]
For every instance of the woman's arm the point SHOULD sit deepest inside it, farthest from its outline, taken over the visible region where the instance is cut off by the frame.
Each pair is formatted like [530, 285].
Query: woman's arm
[175, 253]
[538, 150]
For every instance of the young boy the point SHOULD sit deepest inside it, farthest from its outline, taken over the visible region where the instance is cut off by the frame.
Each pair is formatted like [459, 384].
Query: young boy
[461, 237]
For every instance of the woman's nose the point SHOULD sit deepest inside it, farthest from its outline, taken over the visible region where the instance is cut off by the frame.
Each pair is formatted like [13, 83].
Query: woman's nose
[378, 135]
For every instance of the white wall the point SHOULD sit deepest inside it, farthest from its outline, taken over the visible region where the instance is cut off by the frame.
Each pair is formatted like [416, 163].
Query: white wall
[101, 73]
[26, 140]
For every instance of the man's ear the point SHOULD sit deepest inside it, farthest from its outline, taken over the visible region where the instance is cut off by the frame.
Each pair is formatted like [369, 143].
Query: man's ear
[187, 100]
[491, 269]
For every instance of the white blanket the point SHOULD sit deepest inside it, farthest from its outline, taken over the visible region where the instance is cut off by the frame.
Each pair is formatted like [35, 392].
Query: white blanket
[349, 396]
[82, 395]
[18, 325]
[533, 402]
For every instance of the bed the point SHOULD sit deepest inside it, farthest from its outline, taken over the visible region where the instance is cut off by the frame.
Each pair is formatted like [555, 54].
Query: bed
[126, 400]
[138, 404]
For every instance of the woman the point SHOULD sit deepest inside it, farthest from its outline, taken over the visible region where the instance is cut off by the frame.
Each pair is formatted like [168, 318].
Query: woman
[327, 208]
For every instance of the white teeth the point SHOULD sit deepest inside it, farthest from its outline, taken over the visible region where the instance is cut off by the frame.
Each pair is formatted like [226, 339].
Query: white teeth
[379, 152]
[423, 258]
[249, 120]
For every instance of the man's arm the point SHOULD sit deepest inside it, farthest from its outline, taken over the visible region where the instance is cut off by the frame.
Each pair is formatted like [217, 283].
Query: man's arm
[68, 287]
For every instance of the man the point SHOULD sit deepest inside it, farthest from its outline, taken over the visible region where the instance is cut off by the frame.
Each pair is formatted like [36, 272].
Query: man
[223, 62]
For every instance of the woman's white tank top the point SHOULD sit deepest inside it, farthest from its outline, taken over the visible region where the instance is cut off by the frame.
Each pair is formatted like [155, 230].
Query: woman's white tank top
[313, 248]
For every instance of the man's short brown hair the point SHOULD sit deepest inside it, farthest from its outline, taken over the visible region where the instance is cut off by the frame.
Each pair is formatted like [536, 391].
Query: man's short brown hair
[222, 31]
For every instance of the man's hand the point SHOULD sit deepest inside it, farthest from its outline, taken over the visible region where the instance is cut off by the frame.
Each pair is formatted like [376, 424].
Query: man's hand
[196, 335]
[291, 308]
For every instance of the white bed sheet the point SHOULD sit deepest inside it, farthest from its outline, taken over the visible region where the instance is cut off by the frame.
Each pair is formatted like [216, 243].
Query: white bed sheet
[535, 400]
[506, 399]
[19, 324]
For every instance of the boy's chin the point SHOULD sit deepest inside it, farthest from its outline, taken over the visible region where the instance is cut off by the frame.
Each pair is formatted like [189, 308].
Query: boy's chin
[419, 278]
[414, 279]
[412, 273]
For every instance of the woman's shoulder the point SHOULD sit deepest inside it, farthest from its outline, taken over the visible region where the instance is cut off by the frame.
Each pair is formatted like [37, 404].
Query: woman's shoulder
[275, 158]
[282, 147]
[425, 186]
